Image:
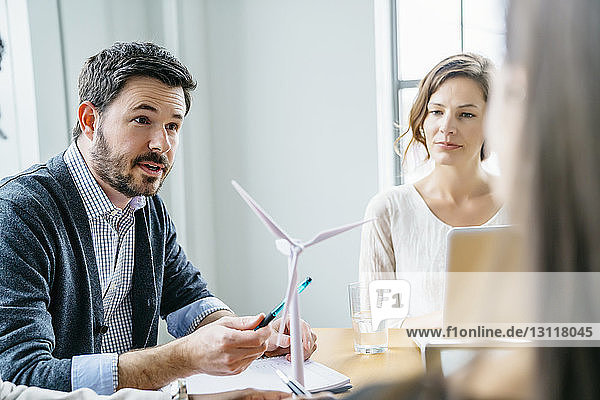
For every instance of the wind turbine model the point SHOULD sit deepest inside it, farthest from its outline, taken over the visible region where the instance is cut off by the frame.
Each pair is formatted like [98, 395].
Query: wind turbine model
[291, 248]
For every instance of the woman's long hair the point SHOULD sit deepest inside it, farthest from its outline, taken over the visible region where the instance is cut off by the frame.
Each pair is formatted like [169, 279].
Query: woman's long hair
[557, 43]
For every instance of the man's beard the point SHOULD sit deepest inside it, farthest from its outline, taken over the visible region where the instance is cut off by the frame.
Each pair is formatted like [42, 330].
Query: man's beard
[117, 171]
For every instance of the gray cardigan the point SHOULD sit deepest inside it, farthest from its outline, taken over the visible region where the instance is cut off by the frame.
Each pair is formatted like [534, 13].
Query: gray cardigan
[50, 295]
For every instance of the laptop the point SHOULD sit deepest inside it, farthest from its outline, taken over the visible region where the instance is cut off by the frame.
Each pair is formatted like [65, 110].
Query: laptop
[485, 284]
[487, 279]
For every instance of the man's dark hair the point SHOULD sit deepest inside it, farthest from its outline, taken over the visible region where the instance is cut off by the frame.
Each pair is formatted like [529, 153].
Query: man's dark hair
[1, 51]
[104, 75]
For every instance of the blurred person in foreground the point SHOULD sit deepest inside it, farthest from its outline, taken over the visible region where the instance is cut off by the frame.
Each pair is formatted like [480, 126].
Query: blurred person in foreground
[549, 99]
[546, 103]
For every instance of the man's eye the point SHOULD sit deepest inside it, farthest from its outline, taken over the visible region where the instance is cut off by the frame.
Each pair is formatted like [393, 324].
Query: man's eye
[142, 120]
[173, 127]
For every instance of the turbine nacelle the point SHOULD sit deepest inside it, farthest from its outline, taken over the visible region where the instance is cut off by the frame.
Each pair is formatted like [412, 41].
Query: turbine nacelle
[286, 247]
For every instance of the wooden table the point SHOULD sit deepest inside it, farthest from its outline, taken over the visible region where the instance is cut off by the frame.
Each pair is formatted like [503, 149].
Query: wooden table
[335, 349]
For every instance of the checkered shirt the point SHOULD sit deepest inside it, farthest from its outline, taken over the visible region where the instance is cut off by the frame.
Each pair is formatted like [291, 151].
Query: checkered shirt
[114, 239]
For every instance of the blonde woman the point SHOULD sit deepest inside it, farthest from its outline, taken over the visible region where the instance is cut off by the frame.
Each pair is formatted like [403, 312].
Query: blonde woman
[408, 238]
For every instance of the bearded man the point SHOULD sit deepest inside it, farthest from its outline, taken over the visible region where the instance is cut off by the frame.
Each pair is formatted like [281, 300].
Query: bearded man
[89, 255]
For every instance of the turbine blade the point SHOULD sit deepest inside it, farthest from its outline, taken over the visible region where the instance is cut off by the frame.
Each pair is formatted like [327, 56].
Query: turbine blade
[333, 232]
[264, 217]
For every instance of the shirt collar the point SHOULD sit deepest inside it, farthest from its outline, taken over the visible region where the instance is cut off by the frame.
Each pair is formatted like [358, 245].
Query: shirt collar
[96, 202]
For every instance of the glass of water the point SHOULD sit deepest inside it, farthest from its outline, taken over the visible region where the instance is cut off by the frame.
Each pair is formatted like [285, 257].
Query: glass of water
[366, 339]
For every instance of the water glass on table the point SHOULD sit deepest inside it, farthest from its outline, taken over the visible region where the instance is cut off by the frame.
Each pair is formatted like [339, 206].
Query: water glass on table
[367, 339]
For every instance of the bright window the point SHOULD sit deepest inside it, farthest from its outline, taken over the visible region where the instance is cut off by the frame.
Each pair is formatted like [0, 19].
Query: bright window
[18, 123]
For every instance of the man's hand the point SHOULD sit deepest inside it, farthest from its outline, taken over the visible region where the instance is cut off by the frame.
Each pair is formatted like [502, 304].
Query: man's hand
[309, 340]
[226, 346]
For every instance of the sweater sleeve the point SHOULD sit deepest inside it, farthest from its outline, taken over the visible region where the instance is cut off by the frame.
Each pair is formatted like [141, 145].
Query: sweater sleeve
[26, 332]
[377, 260]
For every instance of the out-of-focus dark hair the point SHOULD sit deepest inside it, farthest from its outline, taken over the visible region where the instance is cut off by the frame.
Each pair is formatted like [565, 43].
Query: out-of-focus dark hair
[104, 75]
[466, 65]
[556, 42]
[1, 51]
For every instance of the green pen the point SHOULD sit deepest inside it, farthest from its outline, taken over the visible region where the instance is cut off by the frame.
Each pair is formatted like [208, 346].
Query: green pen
[270, 316]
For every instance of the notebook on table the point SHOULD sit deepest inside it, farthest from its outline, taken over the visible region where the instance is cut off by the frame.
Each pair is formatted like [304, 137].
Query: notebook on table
[261, 375]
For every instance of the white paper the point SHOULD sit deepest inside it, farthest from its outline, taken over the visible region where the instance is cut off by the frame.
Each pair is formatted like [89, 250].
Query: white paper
[261, 375]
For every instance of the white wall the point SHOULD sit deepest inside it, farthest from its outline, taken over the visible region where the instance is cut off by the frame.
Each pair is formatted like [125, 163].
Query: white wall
[293, 109]
[285, 104]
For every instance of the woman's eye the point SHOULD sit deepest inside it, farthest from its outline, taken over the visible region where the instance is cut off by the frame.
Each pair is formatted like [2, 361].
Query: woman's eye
[467, 115]
[435, 112]
[142, 120]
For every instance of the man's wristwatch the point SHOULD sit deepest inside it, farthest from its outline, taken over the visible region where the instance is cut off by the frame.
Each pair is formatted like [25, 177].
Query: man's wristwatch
[180, 391]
